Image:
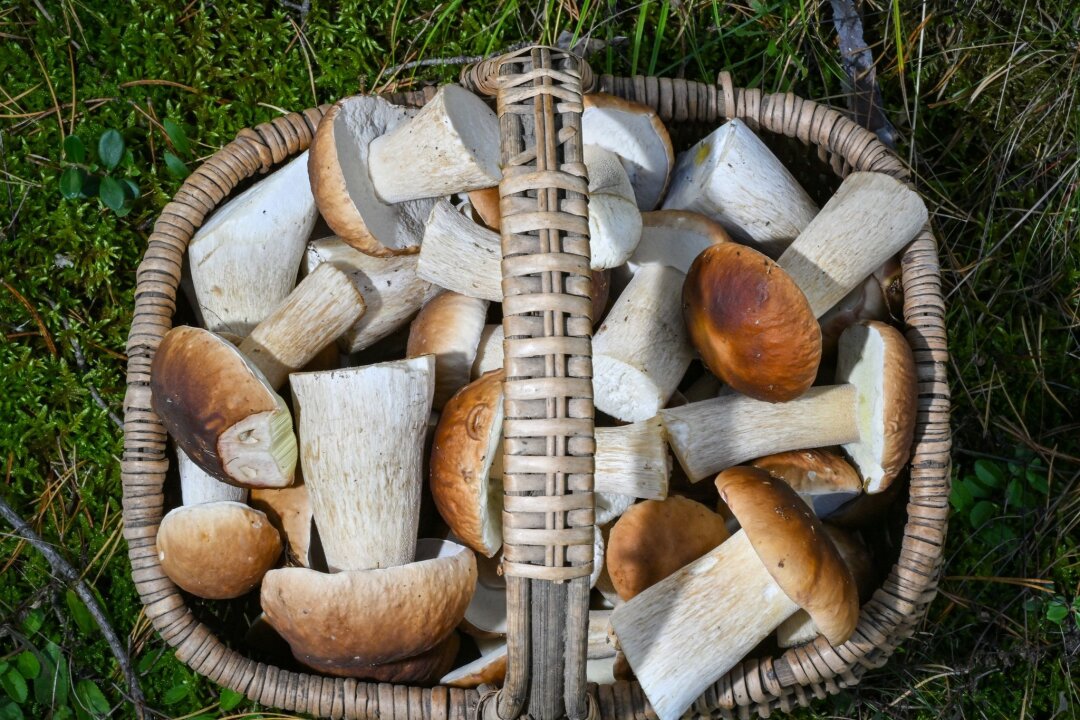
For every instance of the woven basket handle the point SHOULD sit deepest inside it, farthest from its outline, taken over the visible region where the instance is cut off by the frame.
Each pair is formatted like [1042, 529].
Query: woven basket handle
[548, 427]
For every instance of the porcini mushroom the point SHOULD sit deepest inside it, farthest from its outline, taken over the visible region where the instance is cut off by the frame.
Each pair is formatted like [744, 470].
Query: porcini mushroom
[218, 401]
[392, 290]
[655, 538]
[631, 462]
[449, 328]
[732, 176]
[489, 353]
[641, 350]
[754, 321]
[485, 618]
[822, 478]
[614, 219]
[683, 633]
[635, 133]
[486, 204]
[373, 200]
[871, 413]
[488, 669]
[244, 259]
[800, 627]
[460, 255]
[289, 510]
[674, 238]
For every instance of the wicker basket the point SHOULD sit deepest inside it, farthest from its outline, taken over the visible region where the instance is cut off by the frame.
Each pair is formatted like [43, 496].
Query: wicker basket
[548, 523]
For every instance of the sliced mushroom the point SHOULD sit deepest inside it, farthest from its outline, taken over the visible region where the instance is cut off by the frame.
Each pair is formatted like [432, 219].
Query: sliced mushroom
[614, 219]
[871, 414]
[449, 328]
[717, 608]
[461, 255]
[289, 510]
[635, 133]
[631, 462]
[823, 479]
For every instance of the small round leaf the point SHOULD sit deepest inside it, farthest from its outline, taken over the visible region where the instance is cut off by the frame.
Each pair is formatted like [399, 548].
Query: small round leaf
[177, 135]
[176, 166]
[111, 148]
[28, 664]
[71, 183]
[15, 685]
[74, 150]
[112, 194]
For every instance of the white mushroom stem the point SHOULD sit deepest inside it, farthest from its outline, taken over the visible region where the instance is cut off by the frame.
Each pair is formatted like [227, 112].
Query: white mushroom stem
[392, 290]
[198, 486]
[319, 310]
[641, 350]
[732, 177]
[871, 217]
[461, 255]
[489, 354]
[682, 634]
[712, 435]
[451, 145]
[614, 218]
[600, 642]
[361, 449]
[245, 258]
[632, 460]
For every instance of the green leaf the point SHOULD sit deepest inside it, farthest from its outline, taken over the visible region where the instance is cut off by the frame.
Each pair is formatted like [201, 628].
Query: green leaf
[975, 487]
[177, 136]
[176, 167]
[990, 473]
[125, 210]
[982, 513]
[11, 711]
[112, 194]
[91, 697]
[229, 699]
[33, 621]
[63, 713]
[1015, 494]
[14, 685]
[74, 150]
[1038, 481]
[111, 148]
[1056, 612]
[960, 497]
[51, 686]
[71, 183]
[132, 189]
[28, 664]
[176, 693]
[83, 619]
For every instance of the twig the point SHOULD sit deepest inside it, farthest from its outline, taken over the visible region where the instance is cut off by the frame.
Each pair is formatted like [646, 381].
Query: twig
[80, 362]
[71, 577]
[864, 98]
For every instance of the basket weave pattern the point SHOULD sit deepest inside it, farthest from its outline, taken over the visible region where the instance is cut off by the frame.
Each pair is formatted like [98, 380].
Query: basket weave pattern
[549, 405]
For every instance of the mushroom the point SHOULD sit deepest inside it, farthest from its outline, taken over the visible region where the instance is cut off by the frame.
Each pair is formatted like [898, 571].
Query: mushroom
[732, 176]
[392, 290]
[674, 238]
[754, 321]
[214, 545]
[244, 259]
[423, 669]
[461, 255]
[871, 413]
[683, 633]
[371, 198]
[488, 669]
[489, 352]
[631, 462]
[289, 510]
[641, 350]
[822, 478]
[800, 628]
[655, 538]
[486, 204]
[601, 288]
[218, 401]
[614, 219]
[449, 328]
[635, 133]
[485, 618]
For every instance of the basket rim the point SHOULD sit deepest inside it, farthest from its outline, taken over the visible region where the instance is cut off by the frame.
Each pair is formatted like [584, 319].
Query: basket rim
[794, 678]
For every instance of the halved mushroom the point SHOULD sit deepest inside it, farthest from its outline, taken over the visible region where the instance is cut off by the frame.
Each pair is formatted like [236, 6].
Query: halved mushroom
[674, 238]
[449, 328]
[244, 259]
[461, 255]
[800, 627]
[372, 199]
[717, 608]
[733, 177]
[489, 353]
[488, 669]
[654, 538]
[822, 478]
[289, 510]
[754, 321]
[871, 414]
[392, 290]
[641, 351]
[635, 133]
[614, 219]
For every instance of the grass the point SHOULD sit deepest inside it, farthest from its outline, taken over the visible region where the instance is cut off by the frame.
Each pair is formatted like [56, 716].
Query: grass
[984, 96]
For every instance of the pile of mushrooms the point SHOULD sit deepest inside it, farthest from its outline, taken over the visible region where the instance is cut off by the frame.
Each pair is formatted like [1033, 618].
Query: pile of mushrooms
[742, 334]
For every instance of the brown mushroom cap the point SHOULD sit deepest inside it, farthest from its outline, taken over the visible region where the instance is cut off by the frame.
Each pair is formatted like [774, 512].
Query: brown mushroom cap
[875, 358]
[856, 556]
[819, 475]
[449, 327]
[752, 325]
[343, 190]
[488, 669]
[792, 545]
[221, 410]
[636, 134]
[655, 538]
[217, 550]
[466, 440]
[371, 616]
[486, 204]
[289, 510]
[601, 289]
[423, 669]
